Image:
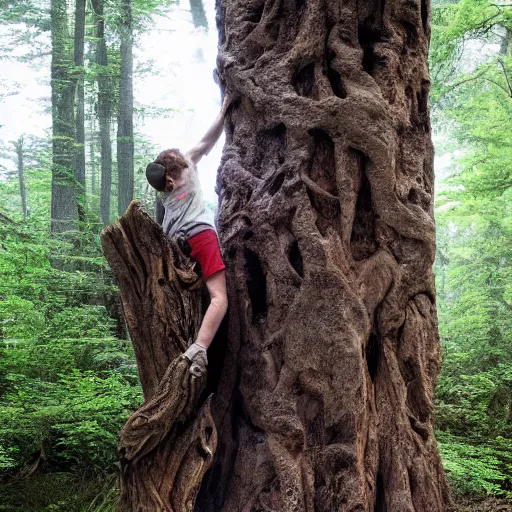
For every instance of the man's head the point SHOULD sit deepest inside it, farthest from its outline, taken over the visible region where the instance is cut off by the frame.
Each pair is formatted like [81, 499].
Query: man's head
[165, 172]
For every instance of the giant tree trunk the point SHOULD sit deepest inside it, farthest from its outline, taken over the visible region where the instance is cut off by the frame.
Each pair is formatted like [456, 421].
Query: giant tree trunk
[324, 400]
[125, 116]
[326, 222]
[64, 210]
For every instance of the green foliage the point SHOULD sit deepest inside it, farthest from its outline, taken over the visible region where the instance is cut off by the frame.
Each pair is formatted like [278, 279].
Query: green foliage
[69, 382]
[476, 469]
[456, 27]
[51, 493]
[72, 423]
[472, 100]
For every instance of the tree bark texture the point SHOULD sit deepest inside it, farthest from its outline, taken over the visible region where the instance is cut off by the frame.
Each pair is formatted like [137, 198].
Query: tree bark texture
[80, 106]
[104, 107]
[325, 398]
[125, 116]
[167, 445]
[64, 210]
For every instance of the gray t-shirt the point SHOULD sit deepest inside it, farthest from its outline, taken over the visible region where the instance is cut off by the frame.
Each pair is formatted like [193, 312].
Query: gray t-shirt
[185, 211]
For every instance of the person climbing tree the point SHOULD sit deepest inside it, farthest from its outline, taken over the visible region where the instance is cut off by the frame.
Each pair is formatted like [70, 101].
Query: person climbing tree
[175, 175]
[324, 397]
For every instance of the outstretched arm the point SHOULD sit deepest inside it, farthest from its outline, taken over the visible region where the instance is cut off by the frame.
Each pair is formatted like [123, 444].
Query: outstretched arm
[204, 146]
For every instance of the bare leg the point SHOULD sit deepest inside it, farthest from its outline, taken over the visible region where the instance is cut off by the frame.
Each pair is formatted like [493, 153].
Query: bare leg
[216, 285]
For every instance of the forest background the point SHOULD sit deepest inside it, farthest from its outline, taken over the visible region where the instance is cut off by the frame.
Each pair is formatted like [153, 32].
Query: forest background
[77, 128]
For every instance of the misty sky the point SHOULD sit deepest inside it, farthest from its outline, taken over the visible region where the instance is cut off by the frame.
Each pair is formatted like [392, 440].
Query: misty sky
[173, 66]
[173, 69]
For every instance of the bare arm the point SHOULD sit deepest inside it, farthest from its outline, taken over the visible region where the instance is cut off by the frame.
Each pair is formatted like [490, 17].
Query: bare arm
[204, 146]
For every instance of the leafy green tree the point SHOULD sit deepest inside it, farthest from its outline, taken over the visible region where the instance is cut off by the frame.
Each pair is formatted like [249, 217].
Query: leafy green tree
[472, 68]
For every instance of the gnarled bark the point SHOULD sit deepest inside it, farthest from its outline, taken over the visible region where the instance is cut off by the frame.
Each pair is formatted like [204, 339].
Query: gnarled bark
[326, 222]
[167, 445]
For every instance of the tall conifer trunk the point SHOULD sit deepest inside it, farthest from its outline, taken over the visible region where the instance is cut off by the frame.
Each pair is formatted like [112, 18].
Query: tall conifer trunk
[198, 14]
[92, 155]
[19, 145]
[80, 106]
[104, 106]
[125, 116]
[64, 210]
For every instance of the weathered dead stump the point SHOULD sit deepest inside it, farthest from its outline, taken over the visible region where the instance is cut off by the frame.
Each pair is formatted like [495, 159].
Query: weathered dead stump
[167, 445]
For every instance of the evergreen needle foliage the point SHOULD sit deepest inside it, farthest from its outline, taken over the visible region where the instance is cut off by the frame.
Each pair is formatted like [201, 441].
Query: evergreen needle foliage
[471, 61]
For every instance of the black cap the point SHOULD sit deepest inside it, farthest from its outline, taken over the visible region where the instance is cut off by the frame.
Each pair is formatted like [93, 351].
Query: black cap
[155, 174]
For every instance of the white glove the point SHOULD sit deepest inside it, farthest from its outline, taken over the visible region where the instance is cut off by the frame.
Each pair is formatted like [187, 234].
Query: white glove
[197, 356]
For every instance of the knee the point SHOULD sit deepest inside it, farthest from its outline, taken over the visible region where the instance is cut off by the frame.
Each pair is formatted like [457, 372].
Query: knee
[221, 303]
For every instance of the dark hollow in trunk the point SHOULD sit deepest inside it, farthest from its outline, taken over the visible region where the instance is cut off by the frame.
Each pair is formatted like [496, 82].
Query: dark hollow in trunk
[326, 221]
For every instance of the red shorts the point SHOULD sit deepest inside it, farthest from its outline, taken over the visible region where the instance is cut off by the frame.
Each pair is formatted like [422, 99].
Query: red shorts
[206, 251]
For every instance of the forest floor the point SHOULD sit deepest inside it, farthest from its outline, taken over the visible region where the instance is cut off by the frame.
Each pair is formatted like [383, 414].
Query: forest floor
[64, 492]
[488, 505]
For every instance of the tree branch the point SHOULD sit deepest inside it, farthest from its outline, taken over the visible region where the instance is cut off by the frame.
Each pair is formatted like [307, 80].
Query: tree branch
[505, 73]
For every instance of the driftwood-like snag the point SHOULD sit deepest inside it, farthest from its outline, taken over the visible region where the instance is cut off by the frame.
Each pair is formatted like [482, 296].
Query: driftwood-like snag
[167, 445]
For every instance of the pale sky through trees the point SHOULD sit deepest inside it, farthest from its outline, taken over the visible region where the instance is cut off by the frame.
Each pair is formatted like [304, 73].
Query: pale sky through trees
[173, 68]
